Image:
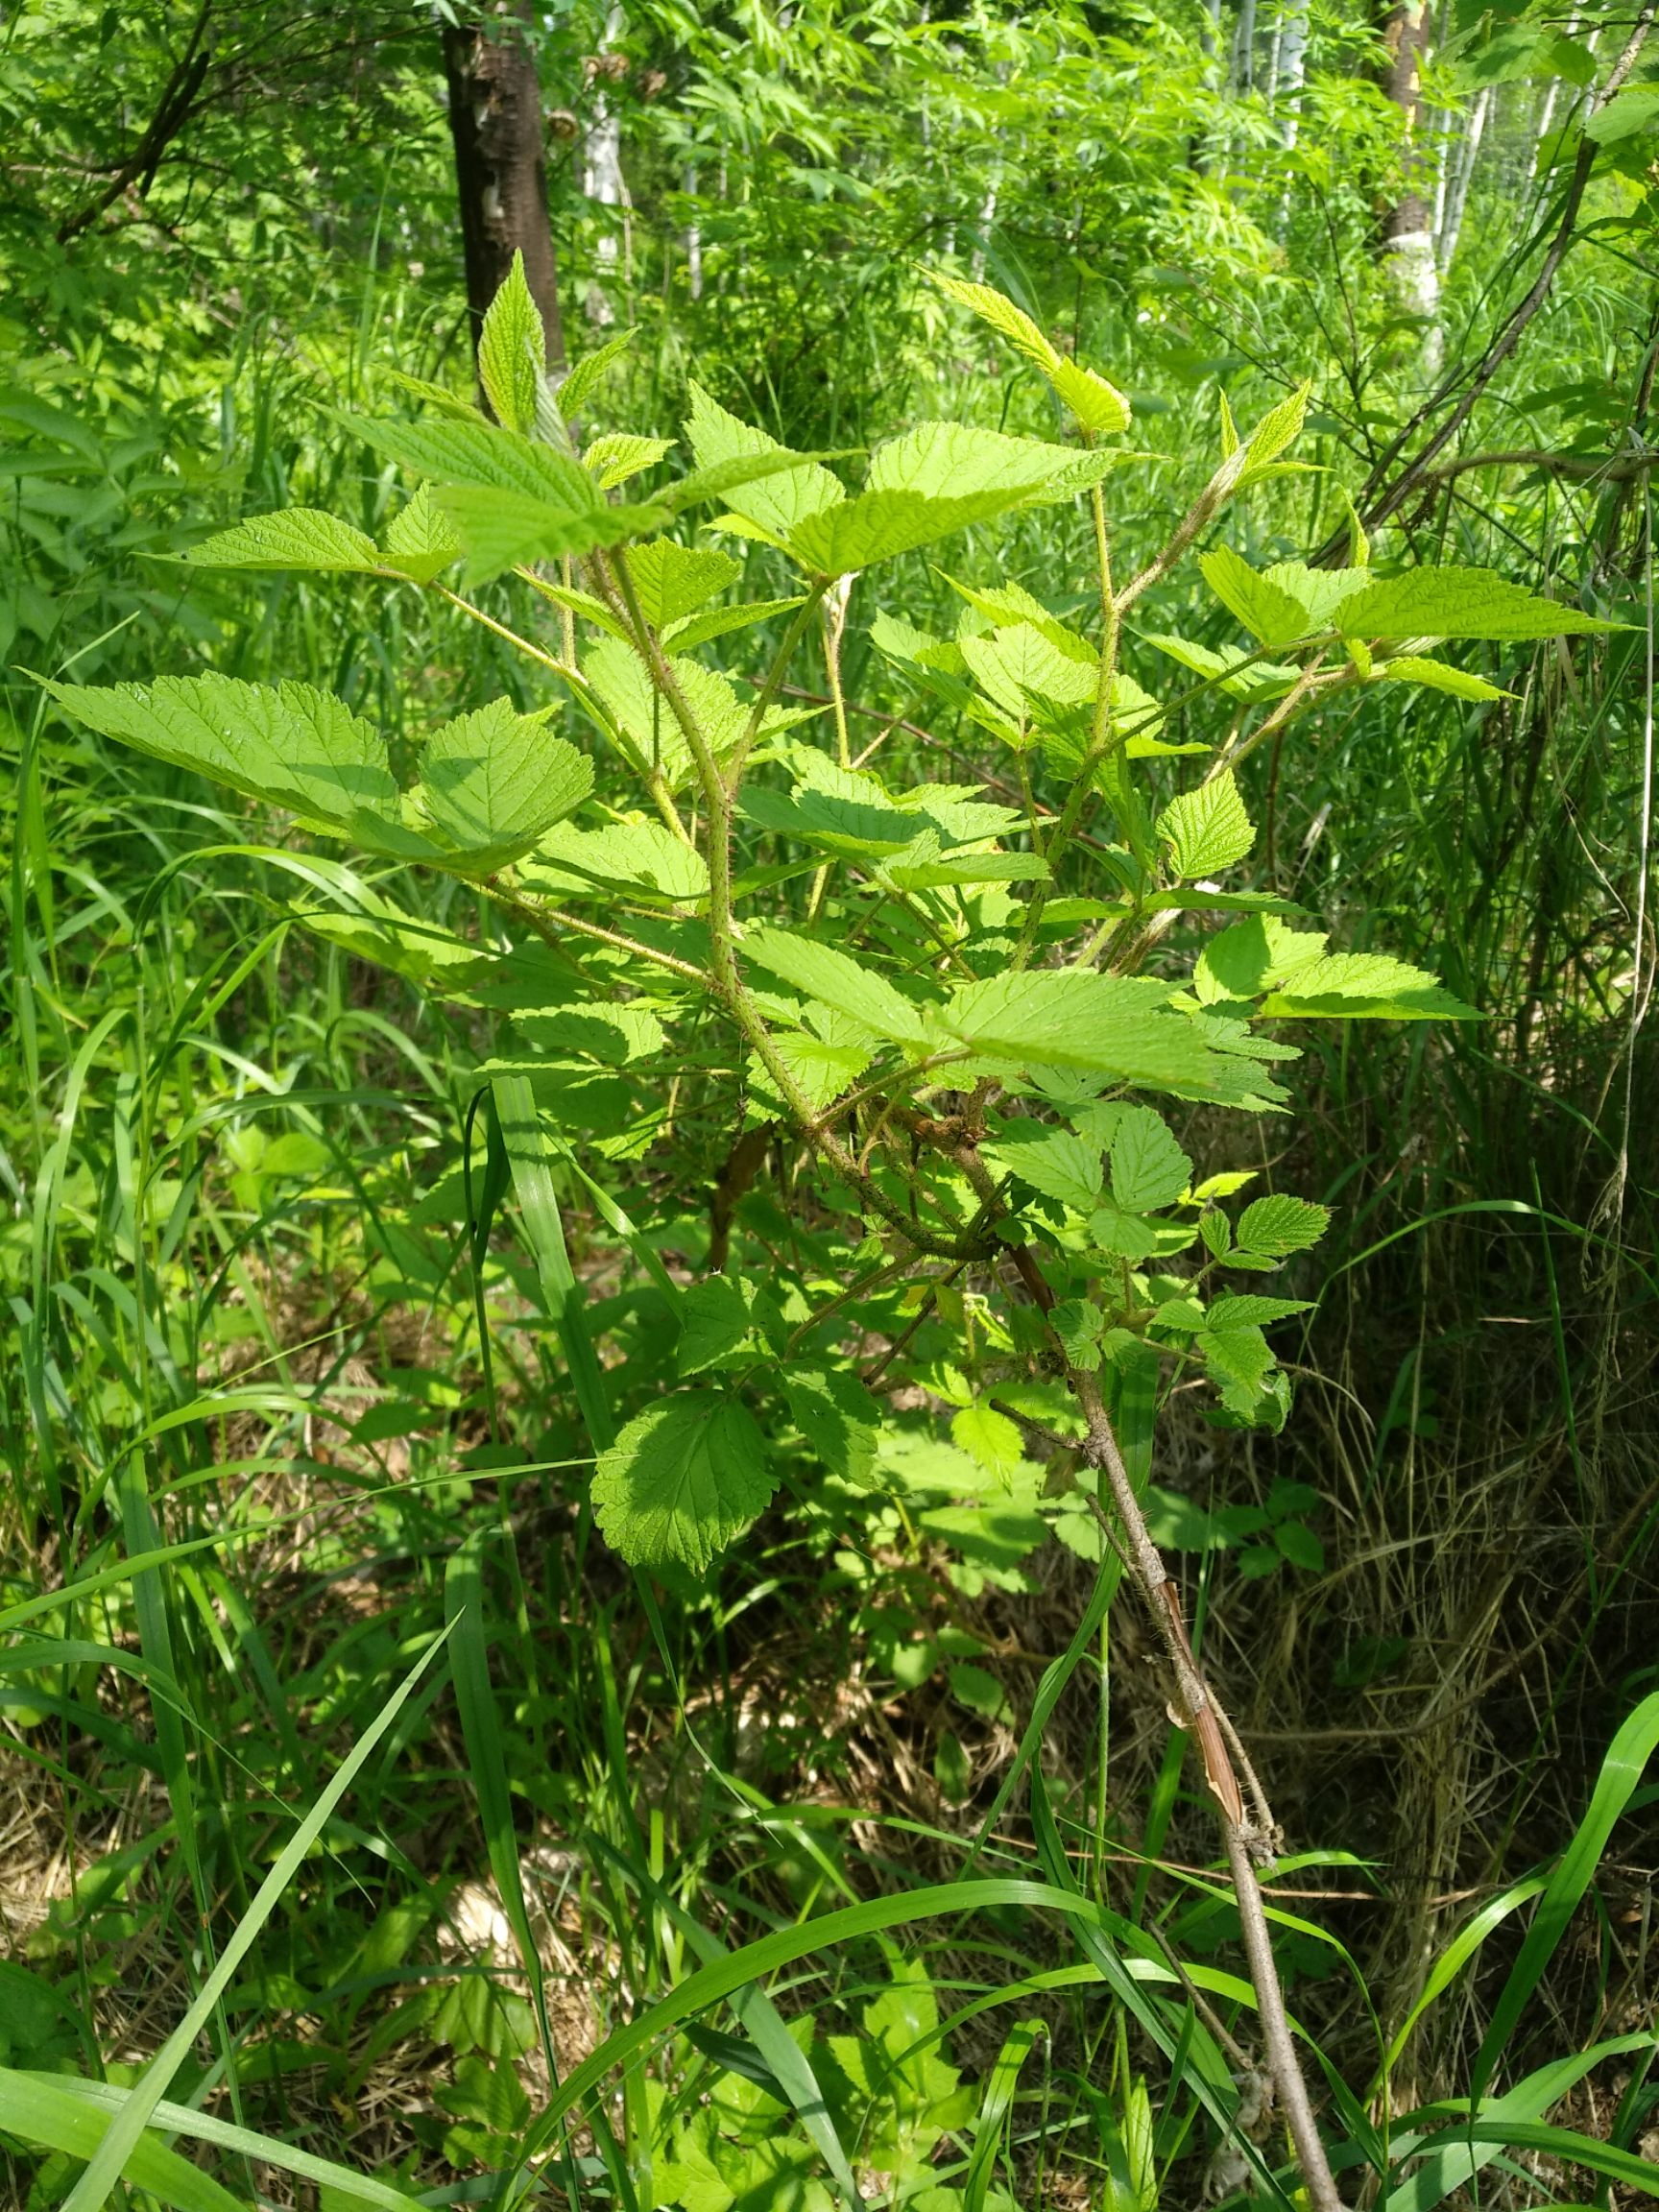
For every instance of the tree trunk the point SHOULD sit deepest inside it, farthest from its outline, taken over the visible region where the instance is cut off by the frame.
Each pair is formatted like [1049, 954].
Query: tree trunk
[602, 177]
[1291, 38]
[1407, 235]
[500, 169]
[1462, 174]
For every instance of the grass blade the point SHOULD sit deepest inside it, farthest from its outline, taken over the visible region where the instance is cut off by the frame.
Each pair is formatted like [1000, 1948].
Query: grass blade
[43, 2097]
[125, 2131]
[57, 2111]
[1621, 1770]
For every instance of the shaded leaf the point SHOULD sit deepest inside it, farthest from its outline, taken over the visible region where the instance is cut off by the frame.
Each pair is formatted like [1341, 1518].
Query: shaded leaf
[681, 1481]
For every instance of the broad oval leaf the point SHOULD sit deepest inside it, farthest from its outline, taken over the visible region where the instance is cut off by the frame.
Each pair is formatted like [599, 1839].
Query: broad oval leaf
[1206, 829]
[493, 781]
[683, 1480]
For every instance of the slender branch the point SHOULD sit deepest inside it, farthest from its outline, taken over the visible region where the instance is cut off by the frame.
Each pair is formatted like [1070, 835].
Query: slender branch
[1390, 499]
[547, 923]
[1242, 1837]
[173, 110]
[727, 976]
[1585, 467]
[1197, 517]
[771, 683]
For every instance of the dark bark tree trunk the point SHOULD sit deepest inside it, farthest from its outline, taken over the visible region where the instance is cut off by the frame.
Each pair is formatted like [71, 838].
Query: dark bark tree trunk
[500, 167]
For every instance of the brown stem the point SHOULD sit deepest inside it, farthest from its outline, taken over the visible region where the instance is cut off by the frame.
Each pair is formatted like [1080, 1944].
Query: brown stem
[1243, 1838]
[173, 112]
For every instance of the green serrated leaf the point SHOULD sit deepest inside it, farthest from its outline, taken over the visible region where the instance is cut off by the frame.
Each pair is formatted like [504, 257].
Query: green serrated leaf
[421, 540]
[502, 530]
[493, 781]
[674, 581]
[1236, 1310]
[1415, 668]
[1365, 986]
[582, 381]
[855, 534]
[1206, 829]
[1277, 1226]
[484, 456]
[1232, 669]
[1074, 1018]
[512, 352]
[1461, 603]
[1078, 1323]
[1266, 608]
[1279, 428]
[297, 538]
[714, 1321]
[1099, 406]
[619, 455]
[959, 461]
[1249, 958]
[835, 979]
[1148, 1167]
[683, 1480]
[989, 1437]
[699, 629]
[289, 744]
[636, 857]
[777, 500]
[1053, 1160]
[838, 1417]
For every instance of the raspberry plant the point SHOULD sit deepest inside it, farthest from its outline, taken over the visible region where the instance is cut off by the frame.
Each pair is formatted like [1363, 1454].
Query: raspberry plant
[911, 1048]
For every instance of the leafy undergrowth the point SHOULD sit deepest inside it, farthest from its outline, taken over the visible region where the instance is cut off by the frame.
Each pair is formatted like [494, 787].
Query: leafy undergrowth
[283, 1341]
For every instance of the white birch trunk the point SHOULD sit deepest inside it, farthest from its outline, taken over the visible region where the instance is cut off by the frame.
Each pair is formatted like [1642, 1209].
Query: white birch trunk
[693, 243]
[1292, 51]
[602, 179]
[1462, 174]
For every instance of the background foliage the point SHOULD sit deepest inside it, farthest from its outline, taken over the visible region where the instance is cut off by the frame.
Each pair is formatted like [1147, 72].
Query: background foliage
[252, 1328]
